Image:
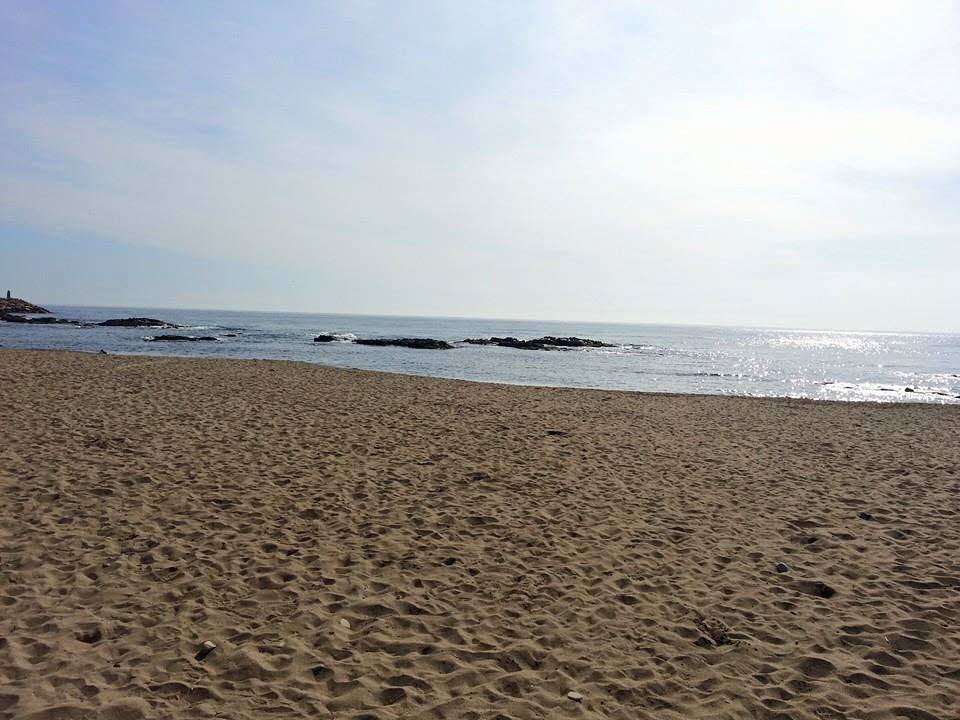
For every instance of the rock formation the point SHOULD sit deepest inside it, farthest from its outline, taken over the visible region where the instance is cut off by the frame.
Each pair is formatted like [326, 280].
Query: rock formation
[181, 338]
[9, 317]
[12, 304]
[137, 322]
[415, 343]
[548, 342]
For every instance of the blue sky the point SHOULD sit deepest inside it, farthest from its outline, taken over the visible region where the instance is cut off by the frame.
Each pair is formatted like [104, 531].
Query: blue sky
[791, 163]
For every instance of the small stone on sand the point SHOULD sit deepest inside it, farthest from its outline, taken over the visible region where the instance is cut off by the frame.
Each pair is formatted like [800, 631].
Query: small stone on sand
[345, 623]
[782, 568]
[206, 648]
[575, 696]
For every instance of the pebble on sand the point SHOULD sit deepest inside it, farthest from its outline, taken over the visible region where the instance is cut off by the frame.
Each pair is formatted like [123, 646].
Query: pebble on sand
[206, 648]
[575, 696]
[782, 568]
[345, 623]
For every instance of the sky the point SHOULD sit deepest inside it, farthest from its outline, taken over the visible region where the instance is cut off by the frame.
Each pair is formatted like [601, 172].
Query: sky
[741, 163]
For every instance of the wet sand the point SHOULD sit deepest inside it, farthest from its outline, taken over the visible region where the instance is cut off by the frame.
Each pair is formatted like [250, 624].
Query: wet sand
[362, 545]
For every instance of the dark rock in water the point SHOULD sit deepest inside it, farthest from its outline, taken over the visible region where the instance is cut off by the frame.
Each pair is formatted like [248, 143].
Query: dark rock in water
[415, 343]
[909, 390]
[37, 321]
[324, 338]
[137, 322]
[573, 342]
[180, 338]
[547, 342]
[19, 305]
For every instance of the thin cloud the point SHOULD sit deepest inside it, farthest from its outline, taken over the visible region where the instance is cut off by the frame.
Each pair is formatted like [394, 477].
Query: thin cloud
[659, 159]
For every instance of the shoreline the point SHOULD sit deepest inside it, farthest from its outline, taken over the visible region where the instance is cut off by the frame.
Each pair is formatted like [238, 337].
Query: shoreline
[494, 383]
[362, 544]
[541, 321]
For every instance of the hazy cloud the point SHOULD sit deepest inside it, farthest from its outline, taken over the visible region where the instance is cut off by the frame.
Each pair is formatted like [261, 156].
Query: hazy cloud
[788, 163]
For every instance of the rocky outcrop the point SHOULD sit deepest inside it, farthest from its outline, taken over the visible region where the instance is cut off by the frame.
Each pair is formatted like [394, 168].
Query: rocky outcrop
[181, 338]
[324, 338]
[548, 342]
[8, 317]
[19, 305]
[415, 343]
[137, 322]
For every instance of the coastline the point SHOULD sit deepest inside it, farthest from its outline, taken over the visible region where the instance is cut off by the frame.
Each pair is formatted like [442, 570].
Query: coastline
[672, 359]
[359, 543]
[892, 402]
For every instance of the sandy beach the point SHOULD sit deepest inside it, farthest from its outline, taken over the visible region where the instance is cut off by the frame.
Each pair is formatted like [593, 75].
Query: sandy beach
[363, 545]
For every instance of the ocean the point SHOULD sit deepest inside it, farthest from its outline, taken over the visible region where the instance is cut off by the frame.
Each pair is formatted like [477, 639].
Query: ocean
[768, 362]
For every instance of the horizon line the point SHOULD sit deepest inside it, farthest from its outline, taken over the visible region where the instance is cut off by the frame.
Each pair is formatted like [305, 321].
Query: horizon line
[527, 320]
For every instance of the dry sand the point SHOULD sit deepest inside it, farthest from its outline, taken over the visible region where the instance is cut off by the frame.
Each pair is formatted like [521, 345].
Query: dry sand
[363, 545]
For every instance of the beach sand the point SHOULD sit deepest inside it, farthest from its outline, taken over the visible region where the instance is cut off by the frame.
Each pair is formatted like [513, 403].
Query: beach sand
[362, 545]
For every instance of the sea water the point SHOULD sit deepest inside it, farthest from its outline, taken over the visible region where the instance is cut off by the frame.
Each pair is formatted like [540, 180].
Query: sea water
[819, 364]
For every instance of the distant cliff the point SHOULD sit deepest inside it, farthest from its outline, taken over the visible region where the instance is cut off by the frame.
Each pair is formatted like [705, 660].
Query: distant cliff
[20, 306]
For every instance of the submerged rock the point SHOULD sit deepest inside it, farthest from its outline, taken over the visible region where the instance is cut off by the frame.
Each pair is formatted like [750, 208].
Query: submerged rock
[324, 338]
[415, 343]
[547, 342]
[137, 322]
[180, 338]
[8, 317]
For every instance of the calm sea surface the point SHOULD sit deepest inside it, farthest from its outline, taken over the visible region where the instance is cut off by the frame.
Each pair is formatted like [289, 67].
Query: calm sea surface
[659, 358]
